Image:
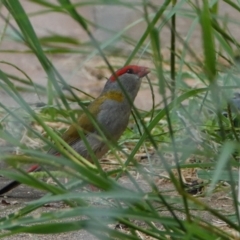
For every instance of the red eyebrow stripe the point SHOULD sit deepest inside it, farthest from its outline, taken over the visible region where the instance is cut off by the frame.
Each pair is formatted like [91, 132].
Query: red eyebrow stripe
[123, 70]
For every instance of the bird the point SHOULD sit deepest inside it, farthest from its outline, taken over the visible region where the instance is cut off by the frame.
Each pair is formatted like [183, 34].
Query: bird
[111, 110]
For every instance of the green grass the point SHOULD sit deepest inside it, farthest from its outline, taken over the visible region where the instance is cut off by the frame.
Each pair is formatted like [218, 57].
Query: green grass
[187, 124]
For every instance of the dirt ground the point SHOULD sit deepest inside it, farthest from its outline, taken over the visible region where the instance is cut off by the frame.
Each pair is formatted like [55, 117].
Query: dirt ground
[74, 68]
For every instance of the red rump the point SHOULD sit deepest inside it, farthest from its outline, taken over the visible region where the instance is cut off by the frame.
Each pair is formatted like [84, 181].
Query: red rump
[33, 168]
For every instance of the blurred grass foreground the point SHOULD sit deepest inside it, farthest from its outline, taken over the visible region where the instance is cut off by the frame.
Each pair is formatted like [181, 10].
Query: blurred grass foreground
[174, 172]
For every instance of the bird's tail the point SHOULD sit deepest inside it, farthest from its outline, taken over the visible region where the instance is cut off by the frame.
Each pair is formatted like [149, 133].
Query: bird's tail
[14, 184]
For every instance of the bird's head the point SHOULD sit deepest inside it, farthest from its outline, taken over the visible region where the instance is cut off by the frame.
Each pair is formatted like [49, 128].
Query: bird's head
[130, 70]
[129, 77]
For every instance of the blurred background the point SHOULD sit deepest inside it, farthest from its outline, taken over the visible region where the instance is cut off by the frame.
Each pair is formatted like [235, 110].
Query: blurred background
[116, 27]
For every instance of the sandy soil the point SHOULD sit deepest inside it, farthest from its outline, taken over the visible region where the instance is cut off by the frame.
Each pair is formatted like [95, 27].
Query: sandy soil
[83, 75]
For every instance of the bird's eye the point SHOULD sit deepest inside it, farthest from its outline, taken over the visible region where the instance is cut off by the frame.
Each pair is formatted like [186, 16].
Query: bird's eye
[130, 70]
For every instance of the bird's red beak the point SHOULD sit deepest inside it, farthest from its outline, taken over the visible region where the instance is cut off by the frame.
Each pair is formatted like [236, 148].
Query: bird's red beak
[143, 71]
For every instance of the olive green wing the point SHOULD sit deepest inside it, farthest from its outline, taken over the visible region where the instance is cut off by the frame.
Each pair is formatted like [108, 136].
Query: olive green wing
[83, 124]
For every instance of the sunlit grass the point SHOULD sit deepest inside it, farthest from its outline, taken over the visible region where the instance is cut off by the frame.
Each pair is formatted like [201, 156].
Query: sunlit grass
[147, 181]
